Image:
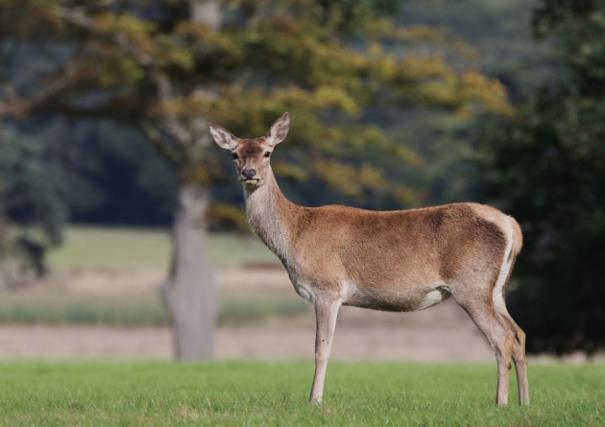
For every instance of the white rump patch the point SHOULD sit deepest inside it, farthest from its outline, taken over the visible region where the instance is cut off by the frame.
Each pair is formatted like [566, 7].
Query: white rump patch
[498, 292]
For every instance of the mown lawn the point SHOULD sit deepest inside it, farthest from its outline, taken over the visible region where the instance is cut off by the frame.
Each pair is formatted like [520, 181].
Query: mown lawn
[234, 394]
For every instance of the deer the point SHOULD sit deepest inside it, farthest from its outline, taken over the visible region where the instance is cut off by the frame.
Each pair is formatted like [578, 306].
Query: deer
[399, 260]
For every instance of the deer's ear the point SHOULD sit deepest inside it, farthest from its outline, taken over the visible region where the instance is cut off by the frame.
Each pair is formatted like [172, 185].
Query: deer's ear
[223, 138]
[279, 130]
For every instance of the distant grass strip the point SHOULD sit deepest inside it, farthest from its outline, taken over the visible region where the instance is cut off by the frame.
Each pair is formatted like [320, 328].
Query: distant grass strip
[124, 248]
[274, 394]
[144, 312]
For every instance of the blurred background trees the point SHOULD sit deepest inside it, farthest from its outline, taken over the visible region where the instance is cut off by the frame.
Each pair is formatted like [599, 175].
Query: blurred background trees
[393, 104]
[546, 165]
[166, 68]
[32, 208]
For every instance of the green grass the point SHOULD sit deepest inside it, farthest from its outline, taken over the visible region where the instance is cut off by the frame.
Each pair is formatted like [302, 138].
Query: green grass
[123, 248]
[260, 394]
[140, 310]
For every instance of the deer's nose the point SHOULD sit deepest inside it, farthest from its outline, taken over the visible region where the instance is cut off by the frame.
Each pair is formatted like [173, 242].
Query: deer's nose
[248, 173]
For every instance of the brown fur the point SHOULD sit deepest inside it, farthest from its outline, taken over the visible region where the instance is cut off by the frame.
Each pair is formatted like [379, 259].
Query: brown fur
[389, 254]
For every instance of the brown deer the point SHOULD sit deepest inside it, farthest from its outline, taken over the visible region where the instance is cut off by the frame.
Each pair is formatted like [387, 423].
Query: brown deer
[403, 260]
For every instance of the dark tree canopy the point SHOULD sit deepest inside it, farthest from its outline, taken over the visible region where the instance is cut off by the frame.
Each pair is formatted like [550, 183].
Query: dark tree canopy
[547, 167]
[153, 66]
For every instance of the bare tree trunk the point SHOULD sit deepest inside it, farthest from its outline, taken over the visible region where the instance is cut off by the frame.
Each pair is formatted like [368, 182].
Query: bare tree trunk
[190, 292]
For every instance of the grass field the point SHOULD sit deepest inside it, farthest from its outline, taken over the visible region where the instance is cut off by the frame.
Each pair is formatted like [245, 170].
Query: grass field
[120, 248]
[232, 393]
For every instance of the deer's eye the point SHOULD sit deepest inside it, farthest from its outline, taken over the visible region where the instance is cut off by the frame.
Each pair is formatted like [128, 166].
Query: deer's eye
[267, 154]
[235, 156]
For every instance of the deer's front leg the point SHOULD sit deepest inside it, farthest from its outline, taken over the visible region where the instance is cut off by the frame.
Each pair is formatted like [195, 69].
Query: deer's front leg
[326, 312]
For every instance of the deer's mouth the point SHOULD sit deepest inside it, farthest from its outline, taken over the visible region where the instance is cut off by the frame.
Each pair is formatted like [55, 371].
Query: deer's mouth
[253, 181]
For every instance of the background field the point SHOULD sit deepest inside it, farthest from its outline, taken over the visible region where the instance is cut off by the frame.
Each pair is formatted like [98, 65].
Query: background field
[110, 276]
[121, 248]
[229, 393]
[101, 300]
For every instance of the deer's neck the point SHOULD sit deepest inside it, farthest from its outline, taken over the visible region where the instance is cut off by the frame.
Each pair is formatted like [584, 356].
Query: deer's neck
[272, 217]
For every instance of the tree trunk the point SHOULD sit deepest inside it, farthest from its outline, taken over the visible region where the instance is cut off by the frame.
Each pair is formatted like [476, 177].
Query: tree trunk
[190, 292]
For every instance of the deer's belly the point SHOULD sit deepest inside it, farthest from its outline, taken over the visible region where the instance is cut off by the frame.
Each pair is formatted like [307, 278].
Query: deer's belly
[397, 299]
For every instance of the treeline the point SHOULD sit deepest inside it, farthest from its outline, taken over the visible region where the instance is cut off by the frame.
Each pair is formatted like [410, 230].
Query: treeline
[113, 177]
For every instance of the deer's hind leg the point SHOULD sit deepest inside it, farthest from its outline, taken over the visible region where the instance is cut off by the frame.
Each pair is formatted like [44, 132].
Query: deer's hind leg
[500, 336]
[518, 352]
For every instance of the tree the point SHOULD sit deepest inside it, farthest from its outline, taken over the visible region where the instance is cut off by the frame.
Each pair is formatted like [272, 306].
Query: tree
[32, 209]
[168, 67]
[546, 166]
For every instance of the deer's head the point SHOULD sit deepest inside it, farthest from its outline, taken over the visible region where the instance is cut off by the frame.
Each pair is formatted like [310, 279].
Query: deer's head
[252, 156]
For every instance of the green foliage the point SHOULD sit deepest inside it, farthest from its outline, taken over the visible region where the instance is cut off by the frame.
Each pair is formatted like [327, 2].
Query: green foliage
[546, 165]
[32, 207]
[153, 67]
[112, 175]
[260, 394]
[496, 38]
